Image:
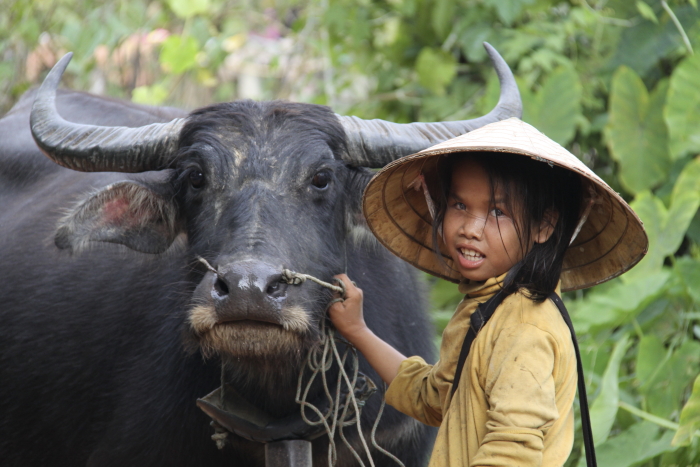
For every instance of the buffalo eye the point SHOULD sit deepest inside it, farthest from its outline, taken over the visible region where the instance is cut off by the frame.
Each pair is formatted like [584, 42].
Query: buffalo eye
[321, 180]
[196, 179]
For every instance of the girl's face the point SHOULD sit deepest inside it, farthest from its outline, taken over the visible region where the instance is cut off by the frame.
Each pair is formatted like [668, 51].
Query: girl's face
[481, 235]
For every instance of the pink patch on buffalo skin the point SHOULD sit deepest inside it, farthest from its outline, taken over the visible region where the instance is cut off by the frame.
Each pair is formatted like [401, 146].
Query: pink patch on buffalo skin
[118, 212]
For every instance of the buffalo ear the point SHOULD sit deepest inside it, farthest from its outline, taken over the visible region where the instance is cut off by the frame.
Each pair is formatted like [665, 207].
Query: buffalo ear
[126, 213]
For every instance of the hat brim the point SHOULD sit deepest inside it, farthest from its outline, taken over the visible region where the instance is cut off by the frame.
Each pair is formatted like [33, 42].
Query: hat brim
[611, 241]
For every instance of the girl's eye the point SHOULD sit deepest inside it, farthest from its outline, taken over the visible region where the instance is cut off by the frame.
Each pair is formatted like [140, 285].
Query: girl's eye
[321, 180]
[460, 206]
[495, 212]
[196, 179]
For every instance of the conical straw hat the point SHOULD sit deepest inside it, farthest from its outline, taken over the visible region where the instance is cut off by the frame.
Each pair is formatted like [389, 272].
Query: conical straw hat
[611, 238]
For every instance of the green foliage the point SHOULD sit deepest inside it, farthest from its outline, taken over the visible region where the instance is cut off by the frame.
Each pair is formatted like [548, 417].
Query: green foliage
[149, 95]
[690, 418]
[646, 11]
[555, 109]
[612, 80]
[604, 408]
[666, 227]
[179, 54]
[636, 132]
[436, 69]
[189, 8]
[682, 113]
[639, 443]
[508, 10]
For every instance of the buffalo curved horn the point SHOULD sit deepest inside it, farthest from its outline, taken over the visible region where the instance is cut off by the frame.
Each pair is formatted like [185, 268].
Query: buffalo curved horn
[92, 148]
[375, 143]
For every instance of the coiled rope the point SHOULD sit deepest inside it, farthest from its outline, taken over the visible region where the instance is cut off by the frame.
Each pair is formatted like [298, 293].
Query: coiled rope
[341, 413]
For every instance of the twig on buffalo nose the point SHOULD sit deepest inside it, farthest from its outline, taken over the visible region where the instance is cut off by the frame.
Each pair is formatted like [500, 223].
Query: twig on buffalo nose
[209, 266]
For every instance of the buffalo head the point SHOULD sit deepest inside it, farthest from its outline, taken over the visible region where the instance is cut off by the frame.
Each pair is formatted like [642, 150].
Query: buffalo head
[247, 189]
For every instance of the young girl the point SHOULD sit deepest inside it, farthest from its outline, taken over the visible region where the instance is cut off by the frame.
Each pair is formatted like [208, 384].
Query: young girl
[506, 212]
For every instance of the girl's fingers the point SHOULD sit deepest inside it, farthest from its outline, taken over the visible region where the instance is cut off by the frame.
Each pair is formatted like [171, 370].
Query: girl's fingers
[352, 292]
[353, 295]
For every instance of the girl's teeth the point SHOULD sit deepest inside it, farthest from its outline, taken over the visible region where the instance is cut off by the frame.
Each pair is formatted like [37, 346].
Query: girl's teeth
[471, 255]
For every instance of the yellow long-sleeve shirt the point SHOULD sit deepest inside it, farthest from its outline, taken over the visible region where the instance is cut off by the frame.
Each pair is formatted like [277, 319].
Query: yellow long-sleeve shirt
[514, 403]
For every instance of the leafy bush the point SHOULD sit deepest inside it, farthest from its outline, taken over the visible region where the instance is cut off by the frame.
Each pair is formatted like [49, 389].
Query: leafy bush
[615, 81]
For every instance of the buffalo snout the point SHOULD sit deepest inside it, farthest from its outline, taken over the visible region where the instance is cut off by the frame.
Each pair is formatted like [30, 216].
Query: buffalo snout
[244, 309]
[246, 290]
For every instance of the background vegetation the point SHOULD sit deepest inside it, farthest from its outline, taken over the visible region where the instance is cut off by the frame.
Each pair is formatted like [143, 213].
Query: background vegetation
[615, 81]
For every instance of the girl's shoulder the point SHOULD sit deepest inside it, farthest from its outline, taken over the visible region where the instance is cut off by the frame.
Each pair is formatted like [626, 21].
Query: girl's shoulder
[519, 310]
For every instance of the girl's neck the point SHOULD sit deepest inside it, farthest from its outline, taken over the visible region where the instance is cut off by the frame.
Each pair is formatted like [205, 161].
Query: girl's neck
[480, 288]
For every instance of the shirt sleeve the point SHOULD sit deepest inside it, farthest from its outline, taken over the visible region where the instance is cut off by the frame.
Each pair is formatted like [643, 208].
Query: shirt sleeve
[416, 391]
[519, 386]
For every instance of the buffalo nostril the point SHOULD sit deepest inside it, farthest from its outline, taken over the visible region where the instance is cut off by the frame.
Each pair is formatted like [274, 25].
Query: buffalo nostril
[221, 287]
[276, 289]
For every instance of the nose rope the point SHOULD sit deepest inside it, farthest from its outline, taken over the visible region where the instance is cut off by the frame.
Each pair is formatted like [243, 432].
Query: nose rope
[209, 266]
[297, 278]
[319, 360]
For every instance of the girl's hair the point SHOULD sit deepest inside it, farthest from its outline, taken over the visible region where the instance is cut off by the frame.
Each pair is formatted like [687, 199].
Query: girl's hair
[532, 191]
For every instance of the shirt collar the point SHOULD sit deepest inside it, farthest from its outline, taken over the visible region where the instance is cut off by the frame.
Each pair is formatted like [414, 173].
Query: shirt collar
[474, 289]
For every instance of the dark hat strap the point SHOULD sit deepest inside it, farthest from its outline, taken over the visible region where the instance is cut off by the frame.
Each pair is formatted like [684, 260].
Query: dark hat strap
[477, 321]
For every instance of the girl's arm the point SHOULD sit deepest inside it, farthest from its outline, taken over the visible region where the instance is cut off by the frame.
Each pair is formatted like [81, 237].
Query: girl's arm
[348, 319]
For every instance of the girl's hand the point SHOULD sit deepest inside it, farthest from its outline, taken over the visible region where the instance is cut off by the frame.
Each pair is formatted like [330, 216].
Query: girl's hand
[348, 319]
[347, 316]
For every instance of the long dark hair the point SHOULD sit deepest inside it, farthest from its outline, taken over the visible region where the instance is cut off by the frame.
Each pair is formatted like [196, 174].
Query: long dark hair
[532, 190]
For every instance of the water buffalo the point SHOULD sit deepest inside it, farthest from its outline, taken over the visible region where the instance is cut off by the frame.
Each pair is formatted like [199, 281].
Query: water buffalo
[111, 327]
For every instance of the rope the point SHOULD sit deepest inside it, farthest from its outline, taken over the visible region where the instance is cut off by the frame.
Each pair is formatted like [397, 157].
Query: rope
[319, 360]
[296, 278]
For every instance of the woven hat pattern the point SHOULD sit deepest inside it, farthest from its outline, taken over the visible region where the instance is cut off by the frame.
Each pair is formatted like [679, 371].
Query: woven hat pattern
[611, 240]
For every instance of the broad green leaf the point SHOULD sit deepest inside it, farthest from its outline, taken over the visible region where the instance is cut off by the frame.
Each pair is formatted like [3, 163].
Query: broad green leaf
[689, 273]
[690, 418]
[189, 8]
[650, 354]
[644, 45]
[666, 227]
[682, 110]
[442, 17]
[619, 304]
[664, 391]
[604, 408]
[436, 69]
[638, 443]
[150, 95]
[654, 215]
[508, 10]
[636, 132]
[179, 54]
[554, 110]
[557, 106]
[472, 40]
[646, 11]
[685, 200]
